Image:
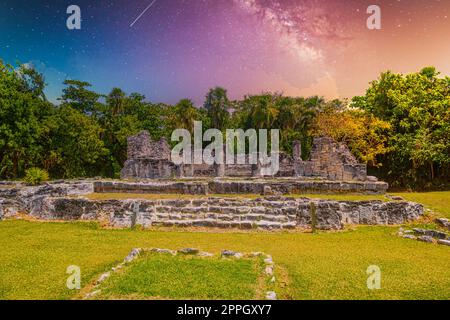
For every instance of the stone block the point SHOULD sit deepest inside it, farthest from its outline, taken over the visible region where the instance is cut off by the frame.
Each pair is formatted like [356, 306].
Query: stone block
[444, 242]
[425, 239]
[246, 224]
[189, 251]
[444, 222]
[431, 233]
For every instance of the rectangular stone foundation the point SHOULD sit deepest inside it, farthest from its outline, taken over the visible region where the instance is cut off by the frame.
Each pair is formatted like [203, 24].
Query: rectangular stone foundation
[287, 186]
[266, 213]
[330, 160]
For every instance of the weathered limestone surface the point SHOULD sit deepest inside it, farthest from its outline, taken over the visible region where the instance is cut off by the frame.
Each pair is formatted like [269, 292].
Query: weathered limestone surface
[273, 212]
[141, 146]
[426, 235]
[57, 201]
[223, 186]
[444, 222]
[26, 198]
[148, 169]
[296, 186]
[430, 233]
[329, 160]
[171, 187]
[147, 158]
[8, 208]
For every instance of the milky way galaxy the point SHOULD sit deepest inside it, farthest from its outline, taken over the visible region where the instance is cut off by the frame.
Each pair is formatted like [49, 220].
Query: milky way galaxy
[180, 48]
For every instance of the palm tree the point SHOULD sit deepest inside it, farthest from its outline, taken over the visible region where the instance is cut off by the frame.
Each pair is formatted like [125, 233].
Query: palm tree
[116, 101]
[217, 105]
[262, 111]
[184, 115]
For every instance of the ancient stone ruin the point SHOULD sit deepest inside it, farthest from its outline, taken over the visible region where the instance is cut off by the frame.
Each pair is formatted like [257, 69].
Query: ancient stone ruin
[148, 159]
[329, 160]
[275, 212]
[67, 200]
[331, 168]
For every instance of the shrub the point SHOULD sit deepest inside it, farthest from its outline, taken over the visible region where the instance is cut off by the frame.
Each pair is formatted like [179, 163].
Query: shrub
[35, 176]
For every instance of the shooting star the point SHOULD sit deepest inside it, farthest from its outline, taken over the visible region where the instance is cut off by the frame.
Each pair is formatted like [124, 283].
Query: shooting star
[142, 13]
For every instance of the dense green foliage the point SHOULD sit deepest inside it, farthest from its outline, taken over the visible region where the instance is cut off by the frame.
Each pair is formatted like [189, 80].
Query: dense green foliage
[218, 108]
[293, 116]
[23, 117]
[417, 106]
[400, 127]
[365, 134]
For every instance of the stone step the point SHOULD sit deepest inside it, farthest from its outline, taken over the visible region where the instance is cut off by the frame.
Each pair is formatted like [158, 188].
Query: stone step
[246, 224]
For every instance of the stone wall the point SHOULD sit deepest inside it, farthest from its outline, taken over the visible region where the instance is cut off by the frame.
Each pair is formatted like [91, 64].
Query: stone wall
[147, 168]
[266, 213]
[226, 186]
[21, 198]
[8, 208]
[173, 187]
[147, 158]
[329, 160]
[142, 146]
[61, 201]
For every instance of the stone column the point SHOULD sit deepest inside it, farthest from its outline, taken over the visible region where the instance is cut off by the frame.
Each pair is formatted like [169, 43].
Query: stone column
[256, 168]
[297, 150]
[179, 171]
[188, 170]
[297, 158]
[220, 170]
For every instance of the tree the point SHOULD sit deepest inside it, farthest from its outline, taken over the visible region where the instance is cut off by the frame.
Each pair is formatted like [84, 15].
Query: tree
[155, 118]
[23, 110]
[292, 116]
[365, 135]
[184, 114]
[295, 119]
[78, 96]
[119, 120]
[116, 100]
[260, 111]
[217, 106]
[417, 106]
[32, 81]
[75, 144]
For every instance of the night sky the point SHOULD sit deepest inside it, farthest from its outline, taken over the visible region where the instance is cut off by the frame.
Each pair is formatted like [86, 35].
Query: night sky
[180, 48]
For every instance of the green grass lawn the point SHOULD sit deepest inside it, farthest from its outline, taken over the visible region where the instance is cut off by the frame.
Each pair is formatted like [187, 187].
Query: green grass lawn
[438, 201]
[163, 276]
[327, 265]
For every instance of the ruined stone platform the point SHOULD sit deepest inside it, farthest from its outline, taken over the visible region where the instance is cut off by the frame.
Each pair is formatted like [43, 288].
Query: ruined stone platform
[66, 200]
[241, 186]
[328, 159]
[275, 212]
